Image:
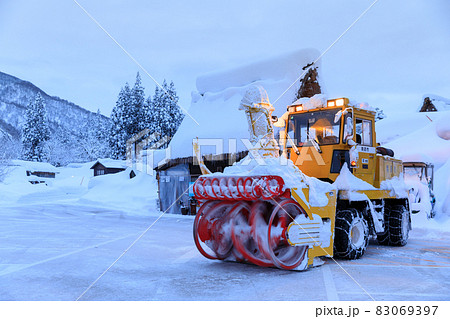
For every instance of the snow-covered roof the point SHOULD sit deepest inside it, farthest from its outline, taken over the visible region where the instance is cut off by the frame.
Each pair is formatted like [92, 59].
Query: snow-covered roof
[110, 163]
[214, 116]
[440, 103]
[35, 166]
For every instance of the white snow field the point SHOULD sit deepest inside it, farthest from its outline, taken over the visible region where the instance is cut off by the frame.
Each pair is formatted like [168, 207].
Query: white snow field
[55, 251]
[56, 240]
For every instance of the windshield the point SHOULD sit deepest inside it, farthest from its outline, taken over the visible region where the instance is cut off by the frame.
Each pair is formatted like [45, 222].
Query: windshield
[316, 126]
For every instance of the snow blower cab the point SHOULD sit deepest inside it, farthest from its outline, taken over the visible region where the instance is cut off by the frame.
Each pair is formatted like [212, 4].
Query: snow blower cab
[321, 135]
[285, 211]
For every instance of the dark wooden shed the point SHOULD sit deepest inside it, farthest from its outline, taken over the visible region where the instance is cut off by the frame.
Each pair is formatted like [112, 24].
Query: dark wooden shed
[176, 177]
[105, 168]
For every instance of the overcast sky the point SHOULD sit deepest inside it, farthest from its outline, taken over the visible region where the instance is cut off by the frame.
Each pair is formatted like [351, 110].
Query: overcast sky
[397, 52]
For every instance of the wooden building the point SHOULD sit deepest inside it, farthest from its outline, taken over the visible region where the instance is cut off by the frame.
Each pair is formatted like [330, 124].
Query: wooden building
[176, 177]
[105, 167]
[37, 172]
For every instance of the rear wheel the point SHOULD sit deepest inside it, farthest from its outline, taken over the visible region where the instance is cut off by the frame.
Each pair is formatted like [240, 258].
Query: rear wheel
[351, 234]
[399, 226]
[396, 227]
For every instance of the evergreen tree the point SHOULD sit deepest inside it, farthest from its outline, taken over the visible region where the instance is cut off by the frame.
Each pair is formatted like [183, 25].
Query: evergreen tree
[137, 122]
[118, 131]
[35, 131]
[175, 113]
[133, 108]
[148, 115]
[166, 115]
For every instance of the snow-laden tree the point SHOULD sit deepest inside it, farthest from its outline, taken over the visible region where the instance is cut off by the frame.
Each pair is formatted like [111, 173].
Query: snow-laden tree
[148, 115]
[35, 131]
[166, 115]
[118, 130]
[63, 148]
[138, 121]
[9, 150]
[133, 108]
[379, 114]
[94, 143]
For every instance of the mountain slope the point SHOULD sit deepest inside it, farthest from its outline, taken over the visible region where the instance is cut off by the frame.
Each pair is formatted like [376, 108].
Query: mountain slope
[15, 95]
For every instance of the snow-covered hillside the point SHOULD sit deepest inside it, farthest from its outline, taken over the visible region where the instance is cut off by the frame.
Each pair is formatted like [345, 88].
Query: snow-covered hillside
[15, 95]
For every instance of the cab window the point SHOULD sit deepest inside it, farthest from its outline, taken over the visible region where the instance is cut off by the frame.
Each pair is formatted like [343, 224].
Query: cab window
[363, 132]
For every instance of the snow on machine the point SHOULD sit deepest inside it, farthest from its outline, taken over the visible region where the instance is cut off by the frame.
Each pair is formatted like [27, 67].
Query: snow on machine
[419, 177]
[329, 190]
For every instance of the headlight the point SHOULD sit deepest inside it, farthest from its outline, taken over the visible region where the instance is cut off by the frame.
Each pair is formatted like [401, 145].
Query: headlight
[340, 102]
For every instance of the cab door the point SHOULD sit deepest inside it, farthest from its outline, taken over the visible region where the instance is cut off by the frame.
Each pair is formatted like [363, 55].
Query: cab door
[365, 166]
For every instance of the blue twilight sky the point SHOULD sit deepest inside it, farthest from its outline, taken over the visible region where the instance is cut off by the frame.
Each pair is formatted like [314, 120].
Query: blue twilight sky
[396, 53]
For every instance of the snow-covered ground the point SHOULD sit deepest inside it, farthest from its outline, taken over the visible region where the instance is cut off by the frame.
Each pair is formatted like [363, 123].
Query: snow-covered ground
[55, 251]
[76, 185]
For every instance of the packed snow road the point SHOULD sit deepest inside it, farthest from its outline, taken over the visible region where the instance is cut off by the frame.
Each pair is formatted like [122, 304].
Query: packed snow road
[55, 251]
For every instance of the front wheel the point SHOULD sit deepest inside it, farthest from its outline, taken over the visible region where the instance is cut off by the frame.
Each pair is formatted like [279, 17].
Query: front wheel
[351, 234]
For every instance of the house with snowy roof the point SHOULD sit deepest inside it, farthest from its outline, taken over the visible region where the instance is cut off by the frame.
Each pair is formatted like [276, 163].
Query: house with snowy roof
[110, 166]
[434, 103]
[221, 128]
[37, 172]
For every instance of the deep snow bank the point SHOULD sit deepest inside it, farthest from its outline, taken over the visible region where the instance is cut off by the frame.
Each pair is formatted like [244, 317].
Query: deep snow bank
[136, 195]
[216, 120]
[422, 137]
[75, 184]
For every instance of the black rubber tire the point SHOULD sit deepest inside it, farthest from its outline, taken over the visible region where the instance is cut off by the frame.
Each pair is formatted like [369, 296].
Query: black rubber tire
[396, 228]
[399, 225]
[351, 236]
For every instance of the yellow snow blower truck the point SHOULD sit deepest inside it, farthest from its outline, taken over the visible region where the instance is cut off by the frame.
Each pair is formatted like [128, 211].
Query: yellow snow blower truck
[323, 192]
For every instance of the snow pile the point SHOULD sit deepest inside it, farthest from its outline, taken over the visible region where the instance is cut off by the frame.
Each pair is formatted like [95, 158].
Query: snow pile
[291, 174]
[397, 186]
[278, 68]
[318, 100]
[136, 196]
[75, 184]
[16, 184]
[443, 127]
[422, 137]
[349, 182]
[420, 190]
[35, 166]
[442, 188]
[214, 116]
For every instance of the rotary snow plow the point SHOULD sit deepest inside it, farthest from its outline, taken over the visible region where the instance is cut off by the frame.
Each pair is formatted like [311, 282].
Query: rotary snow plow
[257, 219]
[264, 210]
